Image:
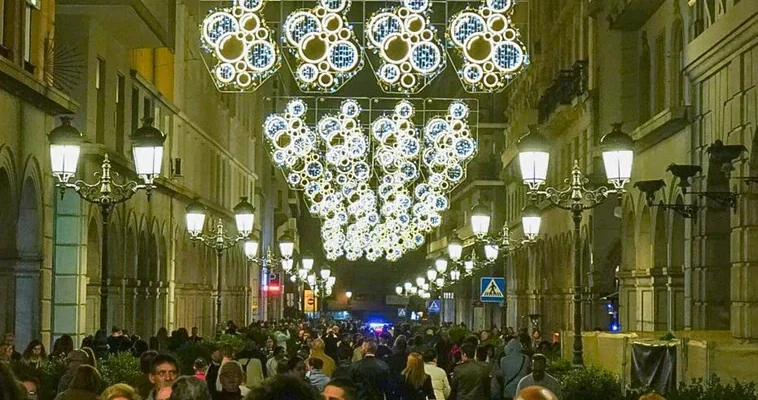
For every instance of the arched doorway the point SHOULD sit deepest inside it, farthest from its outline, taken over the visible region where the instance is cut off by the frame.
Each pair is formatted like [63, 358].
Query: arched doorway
[29, 263]
[7, 252]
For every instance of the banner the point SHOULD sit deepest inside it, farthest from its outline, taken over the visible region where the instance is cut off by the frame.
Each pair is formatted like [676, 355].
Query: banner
[654, 366]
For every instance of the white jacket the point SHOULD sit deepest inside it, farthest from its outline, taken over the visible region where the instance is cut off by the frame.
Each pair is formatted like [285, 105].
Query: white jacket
[440, 384]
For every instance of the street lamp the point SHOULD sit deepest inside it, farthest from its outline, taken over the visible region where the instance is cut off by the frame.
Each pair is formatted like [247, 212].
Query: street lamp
[480, 220]
[431, 274]
[147, 151]
[244, 213]
[455, 247]
[618, 155]
[399, 290]
[440, 265]
[420, 281]
[286, 246]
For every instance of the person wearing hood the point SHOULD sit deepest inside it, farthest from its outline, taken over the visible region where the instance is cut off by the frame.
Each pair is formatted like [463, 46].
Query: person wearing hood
[513, 367]
[317, 351]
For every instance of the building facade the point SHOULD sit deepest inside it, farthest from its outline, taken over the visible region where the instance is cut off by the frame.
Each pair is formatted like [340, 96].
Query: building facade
[74, 57]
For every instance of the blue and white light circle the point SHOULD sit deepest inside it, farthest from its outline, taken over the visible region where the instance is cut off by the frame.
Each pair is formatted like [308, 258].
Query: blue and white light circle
[425, 57]
[508, 56]
[343, 56]
[261, 56]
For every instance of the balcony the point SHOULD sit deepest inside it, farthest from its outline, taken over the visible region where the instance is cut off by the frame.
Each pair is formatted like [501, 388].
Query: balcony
[136, 23]
[570, 84]
[630, 15]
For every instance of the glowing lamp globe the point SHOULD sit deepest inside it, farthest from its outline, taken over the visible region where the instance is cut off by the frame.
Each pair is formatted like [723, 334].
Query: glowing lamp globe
[65, 147]
[251, 248]
[147, 150]
[286, 246]
[195, 218]
[618, 155]
[480, 220]
[454, 248]
[244, 216]
[531, 220]
[534, 158]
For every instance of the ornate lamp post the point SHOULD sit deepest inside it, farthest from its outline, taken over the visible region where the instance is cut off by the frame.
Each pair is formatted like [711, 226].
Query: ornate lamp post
[244, 215]
[147, 152]
[534, 158]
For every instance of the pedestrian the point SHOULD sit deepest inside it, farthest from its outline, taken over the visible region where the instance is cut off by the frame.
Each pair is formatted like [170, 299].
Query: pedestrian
[232, 381]
[539, 377]
[10, 338]
[120, 391]
[211, 374]
[273, 362]
[315, 376]
[34, 356]
[6, 353]
[471, 379]
[114, 340]
[652, 396]
[31, 386]
[371, 375]
[285, 387]
[199, 366]
[195, 337]
[143, 384]
[399, 356]
[73, 360]
[296, 367]
[415, 383]
[344, 364]
[513, 367]
[440, 383]
[317, 351]
[189, 388]
[163, 372]
[62, 346]
[85, 385]
[340, 389]
[536, 393]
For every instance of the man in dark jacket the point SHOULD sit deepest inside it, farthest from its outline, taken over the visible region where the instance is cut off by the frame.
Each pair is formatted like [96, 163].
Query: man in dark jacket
[371, 375]
[471, 379]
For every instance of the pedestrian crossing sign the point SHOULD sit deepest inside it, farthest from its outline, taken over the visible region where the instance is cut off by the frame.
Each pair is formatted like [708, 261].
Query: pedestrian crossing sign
[492, 289]
[434, 307]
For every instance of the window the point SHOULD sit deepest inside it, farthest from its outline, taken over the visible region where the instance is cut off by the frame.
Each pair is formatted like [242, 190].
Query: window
[100, 90]
[644, 93]
[135, 108]
[660, 72]
[676, 77]
[2, 22]
[120, 113]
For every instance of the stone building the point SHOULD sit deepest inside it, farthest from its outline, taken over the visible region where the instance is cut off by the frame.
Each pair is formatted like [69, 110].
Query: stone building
[111, 67]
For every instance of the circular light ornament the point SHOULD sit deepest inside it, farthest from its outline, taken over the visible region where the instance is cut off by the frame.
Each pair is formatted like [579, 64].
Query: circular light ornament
[322, 39]
[238, 47]
[405, 52]
[336, 164]
[486, 49]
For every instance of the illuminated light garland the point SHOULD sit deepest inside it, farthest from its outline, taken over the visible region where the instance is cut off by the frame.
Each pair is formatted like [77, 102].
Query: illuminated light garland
[489, 47]
[240, 45]
[324, 45]
[404, 40]
[334, 163]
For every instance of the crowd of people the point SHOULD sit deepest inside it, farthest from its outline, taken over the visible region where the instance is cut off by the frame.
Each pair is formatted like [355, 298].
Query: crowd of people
[305, 360]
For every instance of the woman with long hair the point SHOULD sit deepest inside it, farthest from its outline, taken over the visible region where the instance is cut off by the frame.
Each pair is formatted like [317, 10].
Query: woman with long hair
[62, 346]
[34, 356]
[415, 383]
[84, 386]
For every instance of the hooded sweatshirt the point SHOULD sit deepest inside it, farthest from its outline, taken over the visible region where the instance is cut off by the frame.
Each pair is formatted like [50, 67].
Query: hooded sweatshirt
[513, 367]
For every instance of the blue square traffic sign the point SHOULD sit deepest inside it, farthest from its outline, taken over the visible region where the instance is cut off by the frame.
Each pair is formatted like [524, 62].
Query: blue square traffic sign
[492, 289]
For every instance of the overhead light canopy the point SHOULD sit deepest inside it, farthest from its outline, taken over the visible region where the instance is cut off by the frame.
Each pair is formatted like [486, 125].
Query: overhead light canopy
[618, 155]
[480, 220]
[534, 158]
[65, 147]
[244, 215]
[286, 246]
[195, 218]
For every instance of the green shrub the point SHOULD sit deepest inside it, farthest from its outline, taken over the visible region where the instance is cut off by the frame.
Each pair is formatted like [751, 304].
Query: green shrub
[49, 375]
[457, 333]
[559, 368]
[120, 368]
[714, 389]
[591, 383]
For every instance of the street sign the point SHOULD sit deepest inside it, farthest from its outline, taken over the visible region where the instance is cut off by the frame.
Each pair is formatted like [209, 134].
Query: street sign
[311, 302]
[492, 289]
[434, 307]
[402, 313]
